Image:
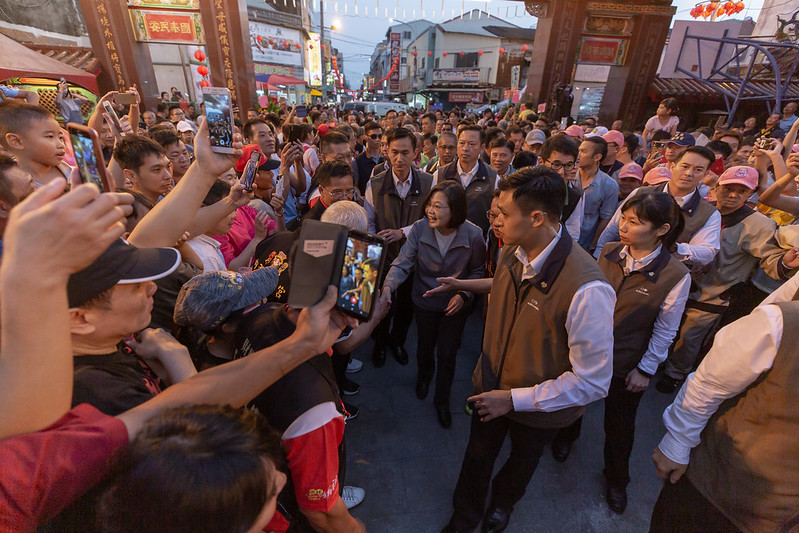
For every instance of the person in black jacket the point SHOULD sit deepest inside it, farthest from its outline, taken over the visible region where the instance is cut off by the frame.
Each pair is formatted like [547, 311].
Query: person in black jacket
[371, 156]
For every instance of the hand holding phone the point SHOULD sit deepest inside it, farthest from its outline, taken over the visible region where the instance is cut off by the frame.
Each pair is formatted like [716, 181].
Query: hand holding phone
[109, 109]
[89, 156]
[248, 176]
[219, 116]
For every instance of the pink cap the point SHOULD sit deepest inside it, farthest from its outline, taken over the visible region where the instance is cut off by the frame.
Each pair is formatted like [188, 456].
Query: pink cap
[614, 136]
[746, 176]
[657, 175]
[323, 130]
[574, 131]
[632, 170]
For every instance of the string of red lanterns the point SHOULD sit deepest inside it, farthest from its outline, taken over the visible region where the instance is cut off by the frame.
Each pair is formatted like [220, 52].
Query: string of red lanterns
[717, 9]
[202, 70]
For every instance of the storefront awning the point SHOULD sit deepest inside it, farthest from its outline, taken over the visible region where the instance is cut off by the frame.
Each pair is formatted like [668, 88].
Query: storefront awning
[278, 79]
[18, 61]
[314, 92]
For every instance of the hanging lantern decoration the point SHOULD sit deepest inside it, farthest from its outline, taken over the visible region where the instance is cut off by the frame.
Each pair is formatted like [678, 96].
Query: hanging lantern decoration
[310, 47]
[414, 53]
[258, 39]
[444, 54]
[429, 53]
[202, 70]
[501, 50]
[199, 55]
[272, 42]
[479, 52]
[715, 9]
[462, 54]
[205, 83]
[298, 45]
[524, 48]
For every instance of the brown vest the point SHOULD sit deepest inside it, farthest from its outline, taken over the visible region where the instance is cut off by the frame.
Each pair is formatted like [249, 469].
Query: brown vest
[747, 464]
[391, 211]
[525, 341]
[696, 212]
[639, 296]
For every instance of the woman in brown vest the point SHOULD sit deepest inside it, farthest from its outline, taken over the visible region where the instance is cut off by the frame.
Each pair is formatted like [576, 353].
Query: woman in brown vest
[651, 290]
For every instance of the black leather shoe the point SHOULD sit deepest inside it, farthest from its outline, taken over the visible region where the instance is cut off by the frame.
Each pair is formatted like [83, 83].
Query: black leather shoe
[379, 356]
[560, 450]
[616, 498]
[667, 384]
[422, 386]
[496, 520]
[400, 354]
[444, 417]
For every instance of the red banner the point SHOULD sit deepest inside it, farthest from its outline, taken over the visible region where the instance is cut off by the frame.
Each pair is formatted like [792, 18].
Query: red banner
[466, 97]
[396, 48]
[599, 51]
[160, 26]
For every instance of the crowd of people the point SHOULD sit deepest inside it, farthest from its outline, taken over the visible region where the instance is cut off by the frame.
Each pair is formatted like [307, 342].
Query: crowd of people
[163, 383]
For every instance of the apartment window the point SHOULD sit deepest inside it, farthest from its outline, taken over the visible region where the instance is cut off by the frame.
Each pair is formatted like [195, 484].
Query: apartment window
[423, 62]
[436, 63]
[466, 60]
[406, 35]
[403, 60]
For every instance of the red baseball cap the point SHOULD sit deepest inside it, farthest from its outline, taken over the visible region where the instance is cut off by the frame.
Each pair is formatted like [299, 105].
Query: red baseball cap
[632, 170]
[657, 176]
[323, 130]
[614, 136]
[264, 163]
[746, 176]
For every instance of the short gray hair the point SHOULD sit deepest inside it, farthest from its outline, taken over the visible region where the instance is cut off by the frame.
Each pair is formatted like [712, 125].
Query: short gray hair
[348, 214]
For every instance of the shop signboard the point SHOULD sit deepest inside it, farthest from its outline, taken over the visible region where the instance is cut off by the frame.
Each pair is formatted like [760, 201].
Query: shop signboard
[475, 97]
[173, 27]
[313, 50]
[396, 48]
[275, 45]
[456, 75]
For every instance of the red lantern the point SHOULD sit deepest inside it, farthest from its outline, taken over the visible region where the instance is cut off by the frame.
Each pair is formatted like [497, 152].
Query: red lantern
[202, 70]
[479, 52]
[462, 54]
[713, 6]
[524, 48]
[297, 45]
[199, 55]
[429, 53]
[444, 54]
[205, 83]
[271, 41]
[739, 7]
[310, 47]
[285, 44]
[414, 53]
[501, 50]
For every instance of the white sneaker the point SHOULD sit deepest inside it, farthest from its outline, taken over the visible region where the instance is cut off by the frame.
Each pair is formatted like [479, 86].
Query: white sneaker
[355, 365]
[352, 496]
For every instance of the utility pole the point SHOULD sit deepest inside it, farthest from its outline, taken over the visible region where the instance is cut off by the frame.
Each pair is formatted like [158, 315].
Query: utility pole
[322, 43]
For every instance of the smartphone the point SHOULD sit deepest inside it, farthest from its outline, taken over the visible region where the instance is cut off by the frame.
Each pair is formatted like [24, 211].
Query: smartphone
[125, 98]
[113, 114]
[564, 123]
[365, 252]
[248, 176]
[301, 112]
[721, 123]
[294, 133]
[279, 185]
[219, 114]
[317, 262]
[89, 156]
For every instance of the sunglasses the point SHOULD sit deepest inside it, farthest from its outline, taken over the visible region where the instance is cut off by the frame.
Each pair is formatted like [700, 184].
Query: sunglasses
[375, 136]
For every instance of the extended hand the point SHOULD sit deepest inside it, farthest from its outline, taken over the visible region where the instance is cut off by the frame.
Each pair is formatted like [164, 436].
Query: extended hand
[636, 381]
[455, 304]
[212, 162]
[391, 235]
[791, 257]
[447, 285]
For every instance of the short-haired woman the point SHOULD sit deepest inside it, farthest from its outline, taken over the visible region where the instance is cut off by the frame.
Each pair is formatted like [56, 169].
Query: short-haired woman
[443, 243]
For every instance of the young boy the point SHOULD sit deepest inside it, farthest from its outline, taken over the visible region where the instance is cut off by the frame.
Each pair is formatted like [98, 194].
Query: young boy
[32, 135]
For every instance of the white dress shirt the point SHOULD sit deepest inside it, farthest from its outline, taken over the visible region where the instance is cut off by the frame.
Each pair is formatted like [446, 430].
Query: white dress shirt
[741, 352]
[575, 220]
[589, 326]
[700, 249]
[209, 251]
[467, 177]
[668, 321]
[403, 188]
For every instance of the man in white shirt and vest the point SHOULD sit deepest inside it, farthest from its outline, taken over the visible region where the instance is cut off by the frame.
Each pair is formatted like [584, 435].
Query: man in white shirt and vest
[547, 348]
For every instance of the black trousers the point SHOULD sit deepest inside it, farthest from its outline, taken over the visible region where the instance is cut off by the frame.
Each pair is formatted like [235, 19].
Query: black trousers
[340, 361]
[510, 483]
[400, 315]
[439, 338]
[621, 407]
[683, 509]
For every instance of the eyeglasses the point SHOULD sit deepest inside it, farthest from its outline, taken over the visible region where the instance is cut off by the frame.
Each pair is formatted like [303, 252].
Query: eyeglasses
[339, 193]
[445, 147]
[557, 165]
[490, 215]
[375, 136]
[437, 207]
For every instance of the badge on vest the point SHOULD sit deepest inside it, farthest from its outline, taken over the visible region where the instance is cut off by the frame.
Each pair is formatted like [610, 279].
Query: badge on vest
[479, 188]
[643, 291]
[534, 304]
[414, 203]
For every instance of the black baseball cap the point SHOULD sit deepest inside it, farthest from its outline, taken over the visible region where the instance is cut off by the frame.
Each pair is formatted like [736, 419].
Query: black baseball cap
[121, 263]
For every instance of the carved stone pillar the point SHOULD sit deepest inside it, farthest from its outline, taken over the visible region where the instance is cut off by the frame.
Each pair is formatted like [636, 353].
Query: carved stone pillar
[555, 47]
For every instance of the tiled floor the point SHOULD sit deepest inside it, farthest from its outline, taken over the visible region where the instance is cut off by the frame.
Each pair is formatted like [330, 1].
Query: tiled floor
[408, 464]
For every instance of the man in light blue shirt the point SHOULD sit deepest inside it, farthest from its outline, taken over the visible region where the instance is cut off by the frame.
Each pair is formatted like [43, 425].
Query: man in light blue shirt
[788, 116]
[600, 191]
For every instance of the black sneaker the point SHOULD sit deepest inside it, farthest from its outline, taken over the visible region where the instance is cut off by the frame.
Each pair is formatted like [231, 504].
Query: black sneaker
[668, 385]
[352, 412]
[350, 388]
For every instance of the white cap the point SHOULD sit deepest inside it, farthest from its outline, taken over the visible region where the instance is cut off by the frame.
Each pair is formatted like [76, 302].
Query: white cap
[183, 125]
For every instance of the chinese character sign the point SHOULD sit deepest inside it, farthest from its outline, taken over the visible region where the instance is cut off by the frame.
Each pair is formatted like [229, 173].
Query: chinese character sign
[169, 27]
[313, 48]
[603, 51]
[396, 49]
